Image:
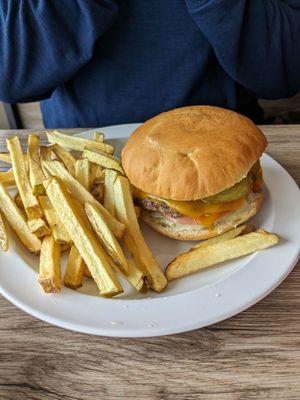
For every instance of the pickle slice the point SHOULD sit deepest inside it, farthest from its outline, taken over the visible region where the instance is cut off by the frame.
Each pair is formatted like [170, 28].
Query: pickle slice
[240, 189]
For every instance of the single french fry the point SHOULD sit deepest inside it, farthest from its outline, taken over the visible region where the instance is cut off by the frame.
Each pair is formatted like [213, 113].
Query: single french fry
[36, 174]
[59, 232]
[82, 172]
[204, 257]
[16, 220]
[83, 238]
[7, 178]
[49, 270]
[240, 230]
[4, 241]
[133, 237]
[87, 272]
[73, 276]
[77, 143]
[66, 158]
[136, 277]
[56, 169]
[98, 136]
[103, 159]
[30, 202]
[39, 227]
[109, 197]
[106, 237]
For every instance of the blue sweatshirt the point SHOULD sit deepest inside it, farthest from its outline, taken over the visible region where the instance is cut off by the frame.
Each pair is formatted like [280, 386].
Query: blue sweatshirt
[103, 62]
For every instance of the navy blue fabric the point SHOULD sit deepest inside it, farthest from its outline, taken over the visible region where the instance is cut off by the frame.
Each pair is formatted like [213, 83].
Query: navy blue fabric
[103, 62]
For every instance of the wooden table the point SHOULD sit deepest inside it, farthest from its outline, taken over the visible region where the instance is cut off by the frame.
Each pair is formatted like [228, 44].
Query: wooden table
[255, 355]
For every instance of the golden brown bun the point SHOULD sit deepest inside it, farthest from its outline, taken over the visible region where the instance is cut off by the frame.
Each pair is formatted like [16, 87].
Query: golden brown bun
[192, 152]
[198, 232]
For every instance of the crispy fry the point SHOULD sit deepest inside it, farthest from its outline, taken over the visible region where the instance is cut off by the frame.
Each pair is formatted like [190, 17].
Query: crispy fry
[82, 195]
[109, 198]
[240, 230]
[98, 136]
[83, 238]
[65, 157]
[75, 269]
[4, 241]
[82, 173]
[36, 174]
[30, 202]
[17, 222]
[39, 227]
[7, 178]
[201, 258]
[49, 270]
[107, 239]
[59, 232]
[103, 159]
[133, 238]
[77, 143]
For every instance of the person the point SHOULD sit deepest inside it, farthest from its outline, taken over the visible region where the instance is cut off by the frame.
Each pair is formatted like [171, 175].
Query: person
[103, 62]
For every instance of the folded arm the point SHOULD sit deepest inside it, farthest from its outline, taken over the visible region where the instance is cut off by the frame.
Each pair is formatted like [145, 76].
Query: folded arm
[43, 43]
[257, 42]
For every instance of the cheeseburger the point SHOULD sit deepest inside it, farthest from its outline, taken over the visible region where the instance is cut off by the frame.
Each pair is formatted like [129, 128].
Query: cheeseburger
[196, 171]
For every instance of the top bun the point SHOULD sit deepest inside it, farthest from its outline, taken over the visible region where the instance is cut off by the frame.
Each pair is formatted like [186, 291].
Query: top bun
[192, 152]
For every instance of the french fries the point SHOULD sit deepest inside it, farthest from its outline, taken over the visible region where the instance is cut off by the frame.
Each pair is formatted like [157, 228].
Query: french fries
[109, 198]
[203, 257]
[16, 220]
[77, 143]
[49, 269]
[7, 178]
[138, 211]
[36, 174]
[39, 227]
[56, 169]
[240, 230]
[4, 242]
[83, 238]
[65, 157]
[59, 232]
[106, 237]
[19, 201]
[82, 173]
[98, 136]
[73, 276]
[133, 238]
[30, 202]
[103, 159]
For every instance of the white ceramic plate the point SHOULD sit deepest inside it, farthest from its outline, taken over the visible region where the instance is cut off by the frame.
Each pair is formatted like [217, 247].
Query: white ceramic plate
[188, 303]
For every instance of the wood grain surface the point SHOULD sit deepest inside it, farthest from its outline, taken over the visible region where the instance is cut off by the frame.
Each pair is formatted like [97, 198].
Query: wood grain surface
[253, 356]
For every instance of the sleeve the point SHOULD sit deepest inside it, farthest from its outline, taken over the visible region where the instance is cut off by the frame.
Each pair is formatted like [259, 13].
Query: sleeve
[43, 43]
[257, 42]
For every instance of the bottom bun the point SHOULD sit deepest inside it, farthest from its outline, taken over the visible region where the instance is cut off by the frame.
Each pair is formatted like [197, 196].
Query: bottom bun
[198, 232]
